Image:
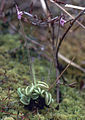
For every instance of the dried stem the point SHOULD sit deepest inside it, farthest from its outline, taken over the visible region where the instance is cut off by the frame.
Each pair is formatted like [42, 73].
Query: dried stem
[70, 26]
[60, 76]
[52, 1]
[53, 43]
[44, 55]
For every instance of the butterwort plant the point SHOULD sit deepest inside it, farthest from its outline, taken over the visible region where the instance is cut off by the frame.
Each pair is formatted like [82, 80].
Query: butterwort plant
[36, 90]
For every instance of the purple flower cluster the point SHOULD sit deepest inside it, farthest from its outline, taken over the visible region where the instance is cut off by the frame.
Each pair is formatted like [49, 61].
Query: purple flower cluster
[19, 13]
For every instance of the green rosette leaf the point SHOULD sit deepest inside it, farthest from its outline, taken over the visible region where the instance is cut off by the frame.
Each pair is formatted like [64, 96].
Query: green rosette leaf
[35, 96]
[25, 100]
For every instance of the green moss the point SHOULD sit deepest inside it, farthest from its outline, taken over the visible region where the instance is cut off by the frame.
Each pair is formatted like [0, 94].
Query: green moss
[11, 74]
[2, 71]
[37, 117]
[60, 116]
[15, 73]
[3, 49]
[8, 118]
[2, 60]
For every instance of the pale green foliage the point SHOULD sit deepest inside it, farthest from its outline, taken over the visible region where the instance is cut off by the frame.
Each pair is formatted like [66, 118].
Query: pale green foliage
[34, 91]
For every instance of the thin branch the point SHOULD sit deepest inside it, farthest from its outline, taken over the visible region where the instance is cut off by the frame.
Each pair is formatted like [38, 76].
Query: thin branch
[79, 15]
[53, 44]
[67, 13]
[72, 63]
[60, 76]
[75, 7]
[38, 44]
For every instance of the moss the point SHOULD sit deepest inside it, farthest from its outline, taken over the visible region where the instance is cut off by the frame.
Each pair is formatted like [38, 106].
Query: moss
[0, 90]
[3, 49]
[8, 118]
[2, 60]
[37, 117]
[15, 73]
[11, 74]
[60, 117]
[2, 71]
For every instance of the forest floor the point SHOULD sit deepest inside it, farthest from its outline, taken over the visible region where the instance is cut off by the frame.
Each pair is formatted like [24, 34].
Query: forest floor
[15, 73]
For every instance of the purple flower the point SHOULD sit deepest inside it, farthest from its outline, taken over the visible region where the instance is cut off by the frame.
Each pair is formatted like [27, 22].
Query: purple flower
[42, 48]
[62, 21]
[19, 13]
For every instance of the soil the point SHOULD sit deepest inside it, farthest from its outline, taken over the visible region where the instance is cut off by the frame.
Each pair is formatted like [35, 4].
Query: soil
[36, 104]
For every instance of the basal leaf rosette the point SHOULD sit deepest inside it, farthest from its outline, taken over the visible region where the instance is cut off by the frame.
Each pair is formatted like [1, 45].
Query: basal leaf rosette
[34, 92]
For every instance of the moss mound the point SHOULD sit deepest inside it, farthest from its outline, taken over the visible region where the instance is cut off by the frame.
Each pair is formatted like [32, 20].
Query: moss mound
[15, 72]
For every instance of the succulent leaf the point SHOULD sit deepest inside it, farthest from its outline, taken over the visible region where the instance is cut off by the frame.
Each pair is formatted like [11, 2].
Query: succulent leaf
[29, 90]
[46, 98]
[35, 96]
[50, 98]
[36, 91]
[33, 92]
[42, 93]
[39, 89]
[24, 100]
[19, 92]
[43, 84]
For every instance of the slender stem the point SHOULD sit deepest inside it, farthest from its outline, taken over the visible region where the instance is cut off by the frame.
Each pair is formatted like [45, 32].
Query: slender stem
[75, 7]
[61, 40]
[33, 72]
[52, 1]
[29, 57]
[60, 76]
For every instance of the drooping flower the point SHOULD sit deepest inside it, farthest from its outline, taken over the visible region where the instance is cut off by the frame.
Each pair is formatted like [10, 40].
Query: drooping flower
[19, 13]
[62, 21]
